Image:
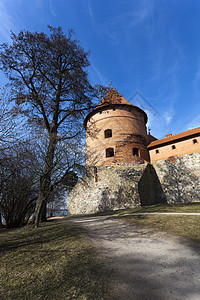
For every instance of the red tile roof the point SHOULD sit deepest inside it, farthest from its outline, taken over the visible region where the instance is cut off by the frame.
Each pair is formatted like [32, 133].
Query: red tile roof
[174, 138]
[113, 98]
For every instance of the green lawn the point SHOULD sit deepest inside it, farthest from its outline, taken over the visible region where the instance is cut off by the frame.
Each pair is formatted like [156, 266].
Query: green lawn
[189, 207]
[185, 226]
[55, 261]
[185, 208]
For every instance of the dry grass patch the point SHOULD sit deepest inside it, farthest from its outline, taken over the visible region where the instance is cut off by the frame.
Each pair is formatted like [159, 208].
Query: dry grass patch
[186, 208]
[178, 208]
[185, 226]
[55, 261]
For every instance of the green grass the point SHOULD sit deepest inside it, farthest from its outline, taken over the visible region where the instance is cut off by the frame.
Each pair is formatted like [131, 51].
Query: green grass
[187, 208]
[184, 226]
[178, 208]
[55, 261]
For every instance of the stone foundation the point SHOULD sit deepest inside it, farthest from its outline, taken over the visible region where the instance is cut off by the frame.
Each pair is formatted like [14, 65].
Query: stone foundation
[176, 180]
[117, 188]
[180, 178]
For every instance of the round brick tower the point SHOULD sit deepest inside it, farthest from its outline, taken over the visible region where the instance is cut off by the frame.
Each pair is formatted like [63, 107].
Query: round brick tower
[116, 132]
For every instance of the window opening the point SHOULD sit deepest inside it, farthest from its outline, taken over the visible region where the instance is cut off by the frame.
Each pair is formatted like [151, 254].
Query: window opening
[173, 147]
[108, 133]
[157, 151]
[95, 174]
[109, 152]
[194, 141]
[135, 152]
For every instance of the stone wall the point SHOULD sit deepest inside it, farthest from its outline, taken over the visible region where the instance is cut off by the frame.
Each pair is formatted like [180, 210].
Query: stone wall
[176, 180]
[180, 177]
[117, 188]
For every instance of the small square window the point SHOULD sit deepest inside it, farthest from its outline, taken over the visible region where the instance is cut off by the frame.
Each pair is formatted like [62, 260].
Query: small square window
[173, 147]
[194, 141]
[109, 152]
[135, 152]
[108, 133]
[157, 151]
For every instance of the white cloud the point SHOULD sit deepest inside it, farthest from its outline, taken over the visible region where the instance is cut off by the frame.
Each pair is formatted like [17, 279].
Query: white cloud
[91, 12]
[168, 116]
[194, 119]
[52, 8]
[196, 82]
[96, 74]
[6, 21]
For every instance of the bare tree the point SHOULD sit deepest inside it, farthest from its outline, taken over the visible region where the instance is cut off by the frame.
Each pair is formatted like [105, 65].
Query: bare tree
[10, 125]
[49, 78]
[18, 185]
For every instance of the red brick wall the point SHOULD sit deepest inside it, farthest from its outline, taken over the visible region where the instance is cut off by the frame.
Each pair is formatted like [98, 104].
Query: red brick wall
[181, 148]
[128, 132]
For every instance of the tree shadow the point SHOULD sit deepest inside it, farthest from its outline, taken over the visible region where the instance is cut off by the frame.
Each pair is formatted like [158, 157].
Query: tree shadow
[147, 264]
[179, 182]
[123, 194]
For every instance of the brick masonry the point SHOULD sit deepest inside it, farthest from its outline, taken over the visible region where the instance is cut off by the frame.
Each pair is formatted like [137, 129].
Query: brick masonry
[182, 147]
[126, 179]
[128, 131]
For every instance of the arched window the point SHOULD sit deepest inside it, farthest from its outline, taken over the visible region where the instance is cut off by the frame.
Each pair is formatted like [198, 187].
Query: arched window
[108, 133]
[109, 152]
[135, 152]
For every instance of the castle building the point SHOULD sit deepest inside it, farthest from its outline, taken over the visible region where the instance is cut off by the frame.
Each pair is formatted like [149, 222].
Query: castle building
[126, 167]
[116, 132]
[183, 143]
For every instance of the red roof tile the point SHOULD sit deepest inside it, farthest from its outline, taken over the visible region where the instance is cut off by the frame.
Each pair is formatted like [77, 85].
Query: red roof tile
[174, 138]
[111, 99]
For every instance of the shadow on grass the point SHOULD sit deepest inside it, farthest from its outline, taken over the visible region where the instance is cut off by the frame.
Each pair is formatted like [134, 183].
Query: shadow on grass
[149, 263]
[15, 238]
[185, 228]
[54, 261]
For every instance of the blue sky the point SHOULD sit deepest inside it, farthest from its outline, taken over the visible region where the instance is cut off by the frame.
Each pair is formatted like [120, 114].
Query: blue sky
[147, 46]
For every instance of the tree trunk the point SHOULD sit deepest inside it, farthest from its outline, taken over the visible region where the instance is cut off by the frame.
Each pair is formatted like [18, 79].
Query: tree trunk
[1, 224]
[44, 212]
[45, 181]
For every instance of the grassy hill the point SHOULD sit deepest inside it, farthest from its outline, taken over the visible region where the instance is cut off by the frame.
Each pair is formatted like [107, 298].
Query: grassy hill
[181, 225]
[55, 261]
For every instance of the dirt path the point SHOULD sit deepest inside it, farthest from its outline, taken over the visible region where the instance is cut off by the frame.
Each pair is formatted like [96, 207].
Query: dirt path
[148, 264]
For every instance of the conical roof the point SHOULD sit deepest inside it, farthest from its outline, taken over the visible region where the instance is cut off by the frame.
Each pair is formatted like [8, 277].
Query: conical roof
[112, 98]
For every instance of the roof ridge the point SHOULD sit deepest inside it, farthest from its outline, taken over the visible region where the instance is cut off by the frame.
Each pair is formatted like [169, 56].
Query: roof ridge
[175, 137]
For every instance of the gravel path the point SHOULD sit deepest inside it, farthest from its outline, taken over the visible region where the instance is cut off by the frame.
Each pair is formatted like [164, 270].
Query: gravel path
[148, 264]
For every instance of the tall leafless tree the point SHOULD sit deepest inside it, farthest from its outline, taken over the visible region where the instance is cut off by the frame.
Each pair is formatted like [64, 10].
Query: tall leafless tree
[48, 75]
